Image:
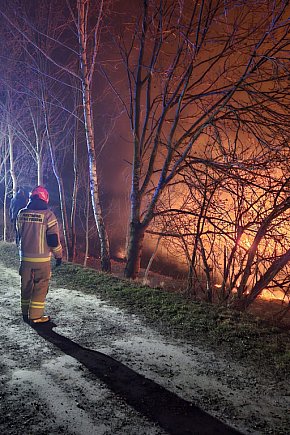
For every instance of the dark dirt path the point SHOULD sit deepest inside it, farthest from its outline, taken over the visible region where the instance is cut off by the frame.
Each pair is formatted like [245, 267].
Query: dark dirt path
[101, 371]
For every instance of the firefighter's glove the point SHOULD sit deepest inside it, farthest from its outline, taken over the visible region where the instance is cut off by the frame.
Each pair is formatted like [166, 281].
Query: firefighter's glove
[58, 262]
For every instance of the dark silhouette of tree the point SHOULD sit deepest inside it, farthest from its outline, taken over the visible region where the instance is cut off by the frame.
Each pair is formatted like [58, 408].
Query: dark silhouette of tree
[198, 71]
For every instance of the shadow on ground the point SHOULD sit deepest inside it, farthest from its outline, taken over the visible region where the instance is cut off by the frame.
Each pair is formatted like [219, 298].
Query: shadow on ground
[169, 411]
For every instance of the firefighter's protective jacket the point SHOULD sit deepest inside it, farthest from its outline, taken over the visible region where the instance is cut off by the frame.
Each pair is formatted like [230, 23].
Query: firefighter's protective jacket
[37, 226]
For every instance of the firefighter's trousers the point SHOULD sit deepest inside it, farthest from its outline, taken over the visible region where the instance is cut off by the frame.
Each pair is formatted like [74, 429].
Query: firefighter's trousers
[34, 287]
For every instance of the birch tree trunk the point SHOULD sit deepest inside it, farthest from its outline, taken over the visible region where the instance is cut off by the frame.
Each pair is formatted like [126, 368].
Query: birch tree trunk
[65, 226]
[11, 160]
[74, 199]
[147, 270]
[39, 169]
[87, 229]
[86, 80]
[37, 150]
[5, 220]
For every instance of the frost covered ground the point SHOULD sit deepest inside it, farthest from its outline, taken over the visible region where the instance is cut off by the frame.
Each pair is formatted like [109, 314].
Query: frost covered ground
[65, 380]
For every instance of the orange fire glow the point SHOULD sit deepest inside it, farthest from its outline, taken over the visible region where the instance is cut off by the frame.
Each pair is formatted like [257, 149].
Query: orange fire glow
[268, 295]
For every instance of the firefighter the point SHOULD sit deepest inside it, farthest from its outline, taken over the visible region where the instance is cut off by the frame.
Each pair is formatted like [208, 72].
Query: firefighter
[38, 234]
[18, 202]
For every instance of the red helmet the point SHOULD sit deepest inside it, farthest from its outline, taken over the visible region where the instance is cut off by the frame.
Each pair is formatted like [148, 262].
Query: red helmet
[41, 192]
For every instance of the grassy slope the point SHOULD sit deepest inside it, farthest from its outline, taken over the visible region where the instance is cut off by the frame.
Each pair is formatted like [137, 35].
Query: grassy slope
[243, 337]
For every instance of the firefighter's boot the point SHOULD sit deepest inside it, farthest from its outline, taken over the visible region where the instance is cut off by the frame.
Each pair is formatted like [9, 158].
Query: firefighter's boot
[40, 320]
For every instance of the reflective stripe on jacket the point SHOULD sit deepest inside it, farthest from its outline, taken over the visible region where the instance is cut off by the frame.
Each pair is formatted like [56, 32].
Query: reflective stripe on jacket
[33, 226]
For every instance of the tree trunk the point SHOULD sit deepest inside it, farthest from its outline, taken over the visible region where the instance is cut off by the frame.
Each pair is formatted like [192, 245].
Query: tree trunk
[207, 270]
[11, 161]
[189, 285]
[151, 259]
[252, 251]
[87, 229]
[39, 168]
[5, 220]
[66, 230]
[74, 202]
[38, 148]
[268, 276]
[135, 246]
[65, 226]
[90, 139]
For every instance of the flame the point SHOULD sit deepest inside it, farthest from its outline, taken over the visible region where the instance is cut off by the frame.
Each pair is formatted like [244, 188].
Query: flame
[245, 241]
[272, 295]
[121, 253]
[266, 295]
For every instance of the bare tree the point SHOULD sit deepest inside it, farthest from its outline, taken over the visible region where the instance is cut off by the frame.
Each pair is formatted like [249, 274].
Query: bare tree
[4, 177]
[87, 66]
[198, 71]
[40, 40]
